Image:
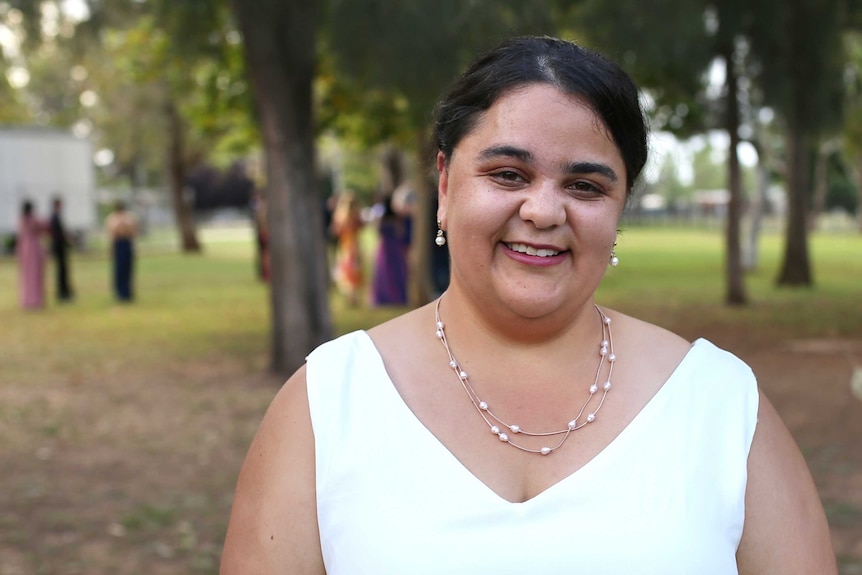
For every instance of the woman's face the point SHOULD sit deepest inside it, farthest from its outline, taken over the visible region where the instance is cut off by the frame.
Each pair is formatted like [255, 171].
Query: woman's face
[530, 200]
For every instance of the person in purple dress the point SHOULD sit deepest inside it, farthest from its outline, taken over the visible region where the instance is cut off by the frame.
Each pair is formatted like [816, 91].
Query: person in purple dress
[390, 265]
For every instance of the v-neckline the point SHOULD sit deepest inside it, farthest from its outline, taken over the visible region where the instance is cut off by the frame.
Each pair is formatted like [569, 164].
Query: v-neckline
[651, 407]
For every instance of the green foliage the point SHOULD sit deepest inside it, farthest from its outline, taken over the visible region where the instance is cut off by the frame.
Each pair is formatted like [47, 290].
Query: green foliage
[135, 57]
[664, 45]
[363, 116]
[801, 79]
[853, 94]
[410, 50]
[842, 191]
[12, 109]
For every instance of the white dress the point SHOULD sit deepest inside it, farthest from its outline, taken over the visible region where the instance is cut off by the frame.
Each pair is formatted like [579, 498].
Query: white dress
[665, 497]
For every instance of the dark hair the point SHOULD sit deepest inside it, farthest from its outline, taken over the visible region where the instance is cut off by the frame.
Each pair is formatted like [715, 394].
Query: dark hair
[521, 61]
[27, 208]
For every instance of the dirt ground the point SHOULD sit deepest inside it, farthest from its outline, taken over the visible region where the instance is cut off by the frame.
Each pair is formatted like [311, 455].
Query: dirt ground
[116, 469]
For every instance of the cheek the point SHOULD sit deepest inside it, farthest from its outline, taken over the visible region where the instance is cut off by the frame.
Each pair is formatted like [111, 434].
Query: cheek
[475, 215]
[598, 221]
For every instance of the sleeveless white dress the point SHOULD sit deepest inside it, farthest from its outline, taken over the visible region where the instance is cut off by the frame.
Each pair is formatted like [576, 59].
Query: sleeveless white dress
[665, 497]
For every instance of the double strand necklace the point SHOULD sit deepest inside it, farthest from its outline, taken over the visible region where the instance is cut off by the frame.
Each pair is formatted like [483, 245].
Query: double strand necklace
[504, 430]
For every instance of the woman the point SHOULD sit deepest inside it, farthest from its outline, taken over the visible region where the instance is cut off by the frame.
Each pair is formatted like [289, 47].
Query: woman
[390, 264]
[122, 229]
[346, 225]
[31, 258]
[513, 426]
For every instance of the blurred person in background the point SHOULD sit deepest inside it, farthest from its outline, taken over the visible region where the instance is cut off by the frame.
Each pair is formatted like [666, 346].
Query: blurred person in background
[31, 258]
[390, 263]
[60, 244]
[261, 235]
[122, 228]
[346, 225]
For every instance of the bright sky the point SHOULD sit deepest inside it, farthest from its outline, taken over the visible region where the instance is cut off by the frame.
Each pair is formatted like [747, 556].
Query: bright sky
[75, 9]
[663, 143]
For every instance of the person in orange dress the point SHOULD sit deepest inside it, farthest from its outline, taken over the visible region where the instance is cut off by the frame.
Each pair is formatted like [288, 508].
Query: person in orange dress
[346, 225]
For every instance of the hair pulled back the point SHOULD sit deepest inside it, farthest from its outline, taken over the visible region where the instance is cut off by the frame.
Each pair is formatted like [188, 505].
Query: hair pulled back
[599, 82]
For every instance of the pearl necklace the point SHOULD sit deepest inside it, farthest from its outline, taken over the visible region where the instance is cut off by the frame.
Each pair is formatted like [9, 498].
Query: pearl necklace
[502, 429]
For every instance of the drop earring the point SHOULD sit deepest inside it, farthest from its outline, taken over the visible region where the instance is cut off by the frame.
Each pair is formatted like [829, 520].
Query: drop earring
[614, 260]
[440, 240]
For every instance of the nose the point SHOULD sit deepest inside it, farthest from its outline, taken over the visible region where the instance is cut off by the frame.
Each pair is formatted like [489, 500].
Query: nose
[544, 206]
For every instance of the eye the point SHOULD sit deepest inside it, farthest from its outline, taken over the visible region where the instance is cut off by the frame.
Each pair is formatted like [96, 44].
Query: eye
[508, 177]
[585, 188]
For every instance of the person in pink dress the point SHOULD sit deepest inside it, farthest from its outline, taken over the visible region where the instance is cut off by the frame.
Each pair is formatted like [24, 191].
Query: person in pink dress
[31, 258]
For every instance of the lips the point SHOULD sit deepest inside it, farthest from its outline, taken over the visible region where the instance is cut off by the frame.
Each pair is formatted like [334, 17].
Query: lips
[532, 251]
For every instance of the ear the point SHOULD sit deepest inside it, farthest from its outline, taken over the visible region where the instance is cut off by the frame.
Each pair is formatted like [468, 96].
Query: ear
[442, 189]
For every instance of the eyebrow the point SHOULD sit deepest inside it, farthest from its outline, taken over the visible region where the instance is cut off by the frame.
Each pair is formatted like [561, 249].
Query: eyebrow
[526, 156]
[505, 151]
[592, 168]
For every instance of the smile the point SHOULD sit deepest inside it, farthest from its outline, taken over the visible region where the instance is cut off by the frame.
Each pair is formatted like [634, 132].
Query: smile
[531, 251]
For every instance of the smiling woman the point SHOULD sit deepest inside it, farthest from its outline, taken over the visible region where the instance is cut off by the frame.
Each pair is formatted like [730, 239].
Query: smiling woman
[564, 433]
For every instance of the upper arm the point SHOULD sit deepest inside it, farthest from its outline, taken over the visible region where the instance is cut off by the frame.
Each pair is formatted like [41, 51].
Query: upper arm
[785, 527]
[273, 524]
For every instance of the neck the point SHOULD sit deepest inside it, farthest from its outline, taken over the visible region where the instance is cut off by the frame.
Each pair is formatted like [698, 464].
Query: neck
[542, 442]
[483, 319]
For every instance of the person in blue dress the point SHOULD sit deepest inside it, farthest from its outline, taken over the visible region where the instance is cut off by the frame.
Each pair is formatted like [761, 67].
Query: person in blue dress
[122, 229]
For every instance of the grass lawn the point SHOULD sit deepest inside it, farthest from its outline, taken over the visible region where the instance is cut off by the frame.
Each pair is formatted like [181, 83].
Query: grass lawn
[123, 426]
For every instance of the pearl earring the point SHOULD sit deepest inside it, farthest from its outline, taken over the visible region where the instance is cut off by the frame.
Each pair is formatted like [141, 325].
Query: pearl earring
[440, 240]
[614, 260]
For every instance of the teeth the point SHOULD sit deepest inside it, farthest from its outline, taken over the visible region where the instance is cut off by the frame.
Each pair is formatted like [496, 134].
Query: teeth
[531, 251]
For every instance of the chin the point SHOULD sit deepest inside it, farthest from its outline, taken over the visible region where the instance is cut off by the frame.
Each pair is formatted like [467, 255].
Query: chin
[533, 307]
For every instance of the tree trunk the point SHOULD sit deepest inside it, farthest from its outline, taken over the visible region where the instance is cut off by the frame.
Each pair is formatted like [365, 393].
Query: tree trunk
[279, 39]
[177, 182]
[420, 290]
[735, 294]
[796, 266]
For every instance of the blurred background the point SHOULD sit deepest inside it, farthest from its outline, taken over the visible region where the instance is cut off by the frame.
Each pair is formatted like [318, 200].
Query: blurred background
[275, 158]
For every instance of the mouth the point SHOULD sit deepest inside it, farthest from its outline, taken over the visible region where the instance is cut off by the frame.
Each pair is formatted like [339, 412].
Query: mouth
[532, 251]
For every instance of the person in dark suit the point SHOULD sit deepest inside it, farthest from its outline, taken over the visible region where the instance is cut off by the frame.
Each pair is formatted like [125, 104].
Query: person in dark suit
[60, 251]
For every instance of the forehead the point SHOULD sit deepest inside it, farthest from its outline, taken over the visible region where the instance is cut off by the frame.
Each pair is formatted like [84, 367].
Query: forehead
[541, 118]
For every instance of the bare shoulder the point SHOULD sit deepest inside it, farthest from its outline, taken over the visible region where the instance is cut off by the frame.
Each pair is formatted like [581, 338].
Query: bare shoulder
[648, 347]
[273, 524]
[785, 528]
[404, 332]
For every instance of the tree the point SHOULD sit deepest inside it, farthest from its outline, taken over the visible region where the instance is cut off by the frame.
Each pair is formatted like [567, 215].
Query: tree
[852, 133]
[12, 110]
[802, 81]
[440, 38]
[157, 59]
[279, 41]
[685, 40]
[759, 44]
